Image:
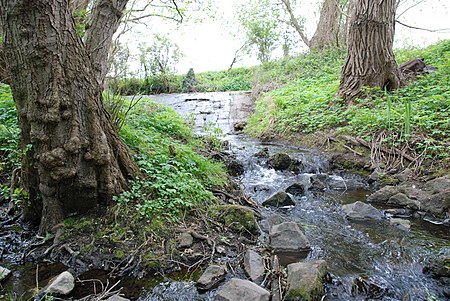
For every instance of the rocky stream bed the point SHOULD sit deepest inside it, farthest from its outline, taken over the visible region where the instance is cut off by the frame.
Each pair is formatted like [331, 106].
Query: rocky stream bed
[323, 233]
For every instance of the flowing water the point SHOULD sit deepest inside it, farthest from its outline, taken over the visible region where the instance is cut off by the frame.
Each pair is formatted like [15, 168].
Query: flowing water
[367, 260]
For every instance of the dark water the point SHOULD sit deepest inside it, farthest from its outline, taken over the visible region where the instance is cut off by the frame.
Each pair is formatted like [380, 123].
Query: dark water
[370, 260]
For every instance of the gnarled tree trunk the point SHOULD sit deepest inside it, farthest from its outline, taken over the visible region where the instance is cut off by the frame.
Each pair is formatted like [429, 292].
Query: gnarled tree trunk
[75, 159]
[370, 60]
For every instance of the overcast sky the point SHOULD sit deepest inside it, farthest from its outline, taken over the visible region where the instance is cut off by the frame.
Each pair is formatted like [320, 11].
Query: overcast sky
[211, 44]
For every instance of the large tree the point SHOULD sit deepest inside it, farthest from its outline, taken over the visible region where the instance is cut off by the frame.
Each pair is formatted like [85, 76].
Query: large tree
[74, 159]
[370, 59]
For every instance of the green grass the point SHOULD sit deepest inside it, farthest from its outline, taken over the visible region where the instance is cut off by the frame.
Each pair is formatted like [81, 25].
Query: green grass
[301, 99]
[237, 79]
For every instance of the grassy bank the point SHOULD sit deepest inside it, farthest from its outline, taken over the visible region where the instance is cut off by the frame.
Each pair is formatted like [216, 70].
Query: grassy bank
[296, 98]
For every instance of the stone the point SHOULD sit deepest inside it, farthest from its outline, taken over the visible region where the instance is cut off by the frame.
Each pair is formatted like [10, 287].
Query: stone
[438, 268]
[254, 266]
[234, 167]
[279, 199]
[437, 185]
[117, 298]
[270, 221]
[402, 201]
[402, 224]
[360, 211]
[399, 212]
[305, 280]
[296, 189]
[242, 290]
[211, 277]
[437, 204]
[236, 217]
[383, 195]
[4, 273]
[263, 153]
[369, 289]
[239, 126]
[405, 175]
[288, 238]
[185, 240]
[62, 284]
[318, 182]
[282, 161]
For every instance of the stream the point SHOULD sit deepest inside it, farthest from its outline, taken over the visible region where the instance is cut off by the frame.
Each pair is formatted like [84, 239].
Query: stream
[383, 261]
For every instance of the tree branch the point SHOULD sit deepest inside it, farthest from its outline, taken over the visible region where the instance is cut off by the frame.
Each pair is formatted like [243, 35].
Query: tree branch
[443, 30]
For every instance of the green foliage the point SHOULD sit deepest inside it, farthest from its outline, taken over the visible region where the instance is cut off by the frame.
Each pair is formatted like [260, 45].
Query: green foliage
[175, 178]
[301, 98]
[189, 81]
[237, 79]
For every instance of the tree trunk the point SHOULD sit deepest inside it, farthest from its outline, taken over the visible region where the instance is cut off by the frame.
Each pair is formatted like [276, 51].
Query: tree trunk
[370, 60]
[75, 160]
[328, 29]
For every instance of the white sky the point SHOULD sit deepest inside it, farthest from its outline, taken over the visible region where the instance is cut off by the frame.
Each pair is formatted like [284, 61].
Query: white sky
[210, 44]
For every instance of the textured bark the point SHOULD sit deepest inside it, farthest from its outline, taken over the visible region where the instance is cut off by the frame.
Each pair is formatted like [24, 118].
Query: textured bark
[327, 34]
[76, 160]
[370, 60]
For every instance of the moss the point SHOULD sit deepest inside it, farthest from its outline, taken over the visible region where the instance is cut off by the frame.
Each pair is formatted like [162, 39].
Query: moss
[387, 179]
[236, 217]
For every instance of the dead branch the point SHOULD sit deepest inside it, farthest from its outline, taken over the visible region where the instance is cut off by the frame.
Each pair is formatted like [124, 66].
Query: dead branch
[386, 150]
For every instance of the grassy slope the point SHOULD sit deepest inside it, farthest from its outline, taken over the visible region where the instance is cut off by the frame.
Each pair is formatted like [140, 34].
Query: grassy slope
[304, 101]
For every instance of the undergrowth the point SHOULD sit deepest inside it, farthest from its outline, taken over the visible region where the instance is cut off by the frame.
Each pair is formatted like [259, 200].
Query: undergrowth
[300, 99]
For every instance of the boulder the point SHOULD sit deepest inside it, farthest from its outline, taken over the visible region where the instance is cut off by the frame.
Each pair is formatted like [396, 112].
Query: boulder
[402, 201]
[437, 185]
[369, 289]
[270, 221]
[360, 211]
[254, 266]
[234, 167]
[296, 189]
[242, 290]
[383, 195]
[279, 199]
[239, 126]
[399, 212]
[263, 153]
[305, 280]
[288, 238]
[439, 268]
[405, 175]
[236, 217]
[211, 277]
[402, 224]
[62, 284]
[185, 240]
[437, 204]
[282, 161]
[4, 273]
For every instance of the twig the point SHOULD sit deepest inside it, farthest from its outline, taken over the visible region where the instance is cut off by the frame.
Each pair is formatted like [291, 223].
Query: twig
[353, 151]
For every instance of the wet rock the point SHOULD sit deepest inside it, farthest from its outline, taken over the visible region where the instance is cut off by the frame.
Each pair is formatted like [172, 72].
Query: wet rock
[62, 284]
[239, 126]
[439, 268]
[117, 298]
[360, 211]
[402, 201]
[270, 221]
[317, 185]
[236, 217]
[368, 288]
[282, 161]
[263, 153]
[211, 277]
[4, 273]
[305, 280]
[405, 175]
[383, 195]
[438, 185]
[437, 204]
[261, 187]
[185, 240]
[399, 212]
[242, 290]
[254, 266]
[296, 189]
[279, 199]
[402, 224]
[234, 167]
[288, 238]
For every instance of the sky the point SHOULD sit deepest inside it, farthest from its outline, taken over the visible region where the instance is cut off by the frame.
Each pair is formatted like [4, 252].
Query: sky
[211, 43]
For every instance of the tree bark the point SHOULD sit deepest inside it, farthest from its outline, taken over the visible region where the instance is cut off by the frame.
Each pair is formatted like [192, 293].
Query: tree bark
[75, 160]
[370, 59]
[327, 34]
